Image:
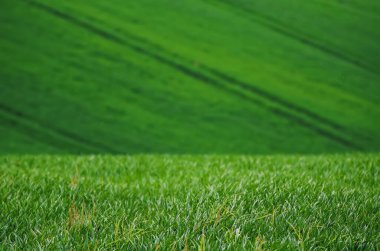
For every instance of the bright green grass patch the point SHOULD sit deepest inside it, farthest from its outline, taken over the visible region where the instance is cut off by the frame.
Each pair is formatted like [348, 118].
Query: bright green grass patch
[176, 202]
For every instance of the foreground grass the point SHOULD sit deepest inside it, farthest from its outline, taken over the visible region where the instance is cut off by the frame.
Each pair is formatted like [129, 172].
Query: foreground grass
[189, 202]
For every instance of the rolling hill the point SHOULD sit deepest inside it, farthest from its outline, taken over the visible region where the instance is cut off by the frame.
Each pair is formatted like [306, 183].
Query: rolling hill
[193, 76]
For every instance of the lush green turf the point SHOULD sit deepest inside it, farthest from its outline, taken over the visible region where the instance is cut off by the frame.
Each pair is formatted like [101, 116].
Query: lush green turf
[192, 76]
[164, 202]
[195, 77]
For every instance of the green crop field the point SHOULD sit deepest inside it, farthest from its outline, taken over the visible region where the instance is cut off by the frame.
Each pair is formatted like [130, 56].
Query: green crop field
[190, 124]
[188, 203]
[162, 76]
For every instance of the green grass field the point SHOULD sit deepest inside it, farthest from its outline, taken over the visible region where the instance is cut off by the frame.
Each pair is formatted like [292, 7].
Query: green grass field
[187, 203]
[189, 124]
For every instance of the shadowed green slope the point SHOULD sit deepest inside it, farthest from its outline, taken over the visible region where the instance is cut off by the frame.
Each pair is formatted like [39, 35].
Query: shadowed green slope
[189, 76]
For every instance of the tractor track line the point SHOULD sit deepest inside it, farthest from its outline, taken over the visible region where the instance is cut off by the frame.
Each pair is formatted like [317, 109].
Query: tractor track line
[63, 133]
[248, 87]
[59, 145]
[274, 98]
[282, 102]
[275, 25]
[189, 72]
[244, 85]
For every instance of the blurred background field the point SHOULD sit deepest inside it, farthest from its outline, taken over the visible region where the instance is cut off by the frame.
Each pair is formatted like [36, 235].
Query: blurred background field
[199, 76]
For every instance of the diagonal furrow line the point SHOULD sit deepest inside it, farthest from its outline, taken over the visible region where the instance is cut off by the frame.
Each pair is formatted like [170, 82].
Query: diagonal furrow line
[204, 78]
[34, 133]
[275, 25]
[248, 87]
[59, 131]
[275, 99]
